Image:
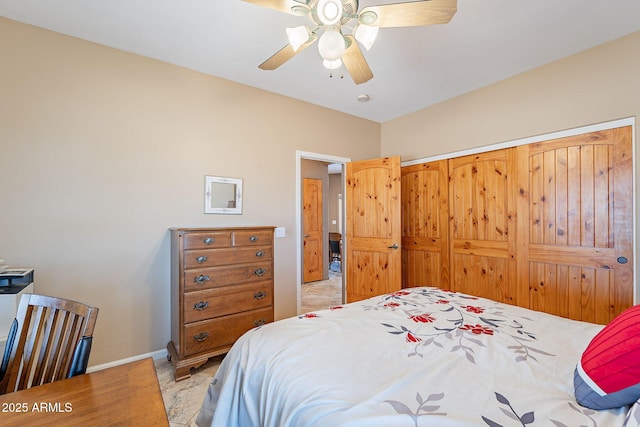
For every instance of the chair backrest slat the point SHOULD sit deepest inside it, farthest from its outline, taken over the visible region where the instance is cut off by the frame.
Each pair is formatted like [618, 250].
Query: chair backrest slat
[45, 348]
[49, 330]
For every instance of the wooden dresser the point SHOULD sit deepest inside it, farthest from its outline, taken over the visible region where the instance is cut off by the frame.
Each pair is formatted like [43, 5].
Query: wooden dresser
[221, 286]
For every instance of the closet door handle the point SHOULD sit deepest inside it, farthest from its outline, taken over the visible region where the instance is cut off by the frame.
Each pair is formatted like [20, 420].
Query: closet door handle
[394, 246]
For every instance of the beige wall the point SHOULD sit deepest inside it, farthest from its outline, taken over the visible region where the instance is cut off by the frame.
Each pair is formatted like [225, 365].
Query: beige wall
[102, 151]
[595, 86]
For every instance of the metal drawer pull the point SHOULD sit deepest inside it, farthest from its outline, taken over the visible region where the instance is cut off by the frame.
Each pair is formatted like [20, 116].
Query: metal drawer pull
[209, 240]
[253, 238]
[260, 254]
[201, 336]
[259, 295]
[201, 305]
[259, 322]
[201, 279]
[201, 259]
[260, 272]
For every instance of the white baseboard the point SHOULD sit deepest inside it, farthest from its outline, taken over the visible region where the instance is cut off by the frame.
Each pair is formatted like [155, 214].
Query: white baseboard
[159, 354]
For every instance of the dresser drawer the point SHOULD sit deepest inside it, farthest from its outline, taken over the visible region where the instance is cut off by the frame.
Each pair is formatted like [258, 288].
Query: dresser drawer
[216, 257]
[222, 332]
[204, 240]
[252, 238]
[202, 305]
[207, 278]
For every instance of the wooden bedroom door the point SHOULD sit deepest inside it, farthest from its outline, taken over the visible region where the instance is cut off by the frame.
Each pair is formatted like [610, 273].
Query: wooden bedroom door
[575, 207]
[482, 225]
[372, 232]
[313, 243]
[425, 225]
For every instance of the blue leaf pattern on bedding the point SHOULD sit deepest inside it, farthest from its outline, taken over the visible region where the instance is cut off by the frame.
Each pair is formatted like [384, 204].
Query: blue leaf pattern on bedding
[510, 412]
[424, 407]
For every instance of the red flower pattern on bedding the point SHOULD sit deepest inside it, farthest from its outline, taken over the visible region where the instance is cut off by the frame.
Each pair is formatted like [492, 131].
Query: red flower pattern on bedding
[422, 318]
[460, 326]
[413, 338]
[477, 329]
[473, 309]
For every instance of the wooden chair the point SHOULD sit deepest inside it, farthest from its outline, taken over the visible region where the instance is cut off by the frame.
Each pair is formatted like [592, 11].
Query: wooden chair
[49, 340]
[335, 253]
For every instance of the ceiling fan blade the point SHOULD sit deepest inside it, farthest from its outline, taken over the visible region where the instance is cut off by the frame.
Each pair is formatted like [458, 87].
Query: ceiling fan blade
[355, 63]
[285, 54]
[286, 6]
[409, 14]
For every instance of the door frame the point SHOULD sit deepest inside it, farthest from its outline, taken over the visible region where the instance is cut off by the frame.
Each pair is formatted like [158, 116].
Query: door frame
[629, 121]
[325, 158]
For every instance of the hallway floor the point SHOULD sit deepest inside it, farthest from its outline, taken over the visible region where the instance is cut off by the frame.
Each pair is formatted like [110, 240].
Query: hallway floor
[322, 294]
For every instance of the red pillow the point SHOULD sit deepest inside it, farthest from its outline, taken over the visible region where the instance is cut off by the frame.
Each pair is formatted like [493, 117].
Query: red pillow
[608, 375]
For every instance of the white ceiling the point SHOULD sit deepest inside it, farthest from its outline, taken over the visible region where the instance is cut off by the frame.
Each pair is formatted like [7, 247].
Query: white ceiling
[486, 41]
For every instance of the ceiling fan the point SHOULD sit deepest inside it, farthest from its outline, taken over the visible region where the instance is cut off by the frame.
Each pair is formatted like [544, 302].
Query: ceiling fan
[337, 25]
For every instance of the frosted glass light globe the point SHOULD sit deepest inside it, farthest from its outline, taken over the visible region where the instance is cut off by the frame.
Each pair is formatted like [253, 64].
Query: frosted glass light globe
[331, 45]
[329, 11]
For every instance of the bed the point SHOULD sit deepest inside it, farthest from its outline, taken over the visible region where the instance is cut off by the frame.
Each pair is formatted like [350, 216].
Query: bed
[417, 357]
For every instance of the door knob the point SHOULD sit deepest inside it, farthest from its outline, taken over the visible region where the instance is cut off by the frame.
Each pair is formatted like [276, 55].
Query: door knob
[394, 246]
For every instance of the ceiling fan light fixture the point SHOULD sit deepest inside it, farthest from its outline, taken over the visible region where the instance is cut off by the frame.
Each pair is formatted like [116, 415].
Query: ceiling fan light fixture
[366, 35]
[298, 36]
[332, 65]
[331, 45]
[329, 11]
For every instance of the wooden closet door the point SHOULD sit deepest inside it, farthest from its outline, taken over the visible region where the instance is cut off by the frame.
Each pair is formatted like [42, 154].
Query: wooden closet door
[425, 225]
[575, 235]
[482, 225]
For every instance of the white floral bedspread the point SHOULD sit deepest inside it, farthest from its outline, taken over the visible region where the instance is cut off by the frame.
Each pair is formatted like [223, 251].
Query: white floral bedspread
[418, 357]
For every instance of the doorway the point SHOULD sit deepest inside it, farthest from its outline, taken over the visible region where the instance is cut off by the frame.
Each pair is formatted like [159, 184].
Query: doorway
[328, 291]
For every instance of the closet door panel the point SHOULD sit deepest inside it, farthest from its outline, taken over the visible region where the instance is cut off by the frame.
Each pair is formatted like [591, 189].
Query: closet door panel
[575, 211]
[425, 217]
[482, 220]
